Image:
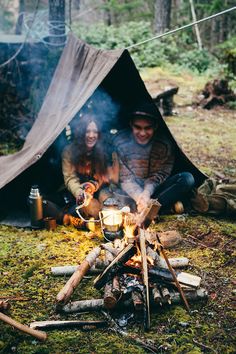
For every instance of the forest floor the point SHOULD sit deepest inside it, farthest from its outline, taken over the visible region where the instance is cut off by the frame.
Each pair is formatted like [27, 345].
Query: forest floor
[26, 256]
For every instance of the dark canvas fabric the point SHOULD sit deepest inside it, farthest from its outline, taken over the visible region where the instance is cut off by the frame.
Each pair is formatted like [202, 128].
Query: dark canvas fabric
[81, 70]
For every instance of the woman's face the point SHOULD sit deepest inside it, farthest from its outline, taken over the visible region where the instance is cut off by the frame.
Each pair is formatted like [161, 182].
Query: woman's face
[91, 136]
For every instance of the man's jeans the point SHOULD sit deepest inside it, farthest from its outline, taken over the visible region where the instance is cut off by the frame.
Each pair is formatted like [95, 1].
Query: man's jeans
[174, 188]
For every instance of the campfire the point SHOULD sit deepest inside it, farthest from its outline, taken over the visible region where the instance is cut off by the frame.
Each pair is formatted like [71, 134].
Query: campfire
[134, 271]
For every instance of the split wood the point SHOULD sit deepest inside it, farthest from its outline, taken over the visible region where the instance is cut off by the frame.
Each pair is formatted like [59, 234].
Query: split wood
[47, 325]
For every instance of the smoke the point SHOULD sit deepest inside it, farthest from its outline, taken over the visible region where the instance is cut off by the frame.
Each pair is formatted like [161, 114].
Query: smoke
[104, 107]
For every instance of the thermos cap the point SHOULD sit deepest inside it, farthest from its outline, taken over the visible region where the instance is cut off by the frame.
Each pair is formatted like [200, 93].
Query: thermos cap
[34, 192]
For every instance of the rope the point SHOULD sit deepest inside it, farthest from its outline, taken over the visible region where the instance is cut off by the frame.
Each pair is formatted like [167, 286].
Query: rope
[181, 28]
[26, 37]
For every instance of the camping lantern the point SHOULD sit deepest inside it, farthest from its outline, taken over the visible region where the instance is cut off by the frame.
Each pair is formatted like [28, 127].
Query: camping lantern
[111, 220]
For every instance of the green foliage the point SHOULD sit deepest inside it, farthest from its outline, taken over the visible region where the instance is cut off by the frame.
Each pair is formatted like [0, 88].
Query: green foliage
[197, 60]
[177, 49]
[6, 20]
[226, 52]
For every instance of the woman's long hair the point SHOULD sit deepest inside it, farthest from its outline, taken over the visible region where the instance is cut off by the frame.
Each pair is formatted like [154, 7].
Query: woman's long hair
[79, 152]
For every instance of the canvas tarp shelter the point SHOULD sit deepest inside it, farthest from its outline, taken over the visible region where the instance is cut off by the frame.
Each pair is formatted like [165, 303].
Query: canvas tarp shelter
[80, 71]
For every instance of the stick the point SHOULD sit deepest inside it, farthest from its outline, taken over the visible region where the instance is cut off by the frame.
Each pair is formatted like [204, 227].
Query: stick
[142, 242]
[66, 292]
[68, 324]
[14, 298]
[174, 277]
[23, 328]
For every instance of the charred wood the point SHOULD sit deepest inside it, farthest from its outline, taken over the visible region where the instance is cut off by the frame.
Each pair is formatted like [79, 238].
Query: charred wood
[114, 266]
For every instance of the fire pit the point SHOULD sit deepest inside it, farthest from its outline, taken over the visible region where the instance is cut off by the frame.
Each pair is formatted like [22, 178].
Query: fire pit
[134, 272]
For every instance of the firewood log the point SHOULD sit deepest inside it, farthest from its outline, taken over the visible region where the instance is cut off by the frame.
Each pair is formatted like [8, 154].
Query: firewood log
[116, 290]
[156, 295]
[70, 269]
[110, 300]
[46, 325]
[83, 306]
[65, 293]
[137, 300]
[98, 304]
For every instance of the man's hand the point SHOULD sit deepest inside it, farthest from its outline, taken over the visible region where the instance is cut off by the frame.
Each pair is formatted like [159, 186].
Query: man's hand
[142, 201]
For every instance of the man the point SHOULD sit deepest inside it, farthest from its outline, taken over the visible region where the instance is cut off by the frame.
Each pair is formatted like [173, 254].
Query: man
[146, 158]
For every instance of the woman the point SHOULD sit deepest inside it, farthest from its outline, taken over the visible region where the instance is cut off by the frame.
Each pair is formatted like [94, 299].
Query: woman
[87, 167]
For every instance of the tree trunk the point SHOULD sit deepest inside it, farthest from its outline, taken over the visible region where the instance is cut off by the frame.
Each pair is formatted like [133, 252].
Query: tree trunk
[162, 15]
[20, 17]
[199, 40]
[57, 21]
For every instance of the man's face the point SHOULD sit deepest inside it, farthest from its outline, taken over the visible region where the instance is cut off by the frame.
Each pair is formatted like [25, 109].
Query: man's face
[143, 130]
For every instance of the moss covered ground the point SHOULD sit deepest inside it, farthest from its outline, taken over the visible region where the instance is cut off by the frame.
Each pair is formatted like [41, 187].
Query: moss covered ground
[26, 258]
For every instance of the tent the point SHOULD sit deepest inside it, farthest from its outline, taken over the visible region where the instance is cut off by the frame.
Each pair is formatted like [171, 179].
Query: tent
[81, 70]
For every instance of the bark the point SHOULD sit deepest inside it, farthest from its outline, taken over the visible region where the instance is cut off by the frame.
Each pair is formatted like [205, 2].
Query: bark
[156, 295]
[70, 269]
[162, 15]
[83, 306]
[110, 300]
[137, 300]
[116, 287]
